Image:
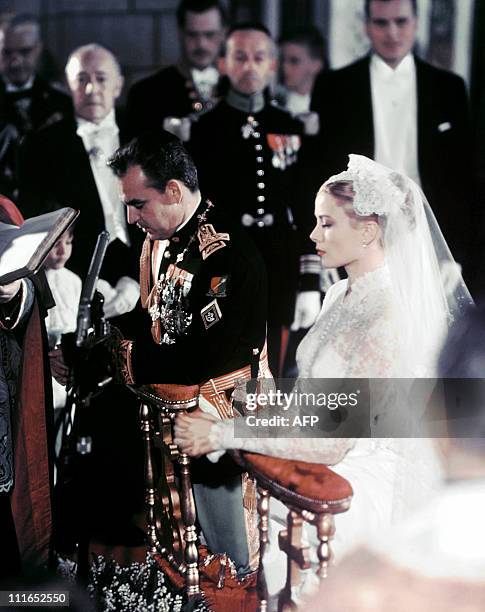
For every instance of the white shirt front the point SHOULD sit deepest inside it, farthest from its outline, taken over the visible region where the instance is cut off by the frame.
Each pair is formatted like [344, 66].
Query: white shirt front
[100, 141]
[395, 114]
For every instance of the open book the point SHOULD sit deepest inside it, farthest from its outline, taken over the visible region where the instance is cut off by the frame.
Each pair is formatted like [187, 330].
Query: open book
[24, 248]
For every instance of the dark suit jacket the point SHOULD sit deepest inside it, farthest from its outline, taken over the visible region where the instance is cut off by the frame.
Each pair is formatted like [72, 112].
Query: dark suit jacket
[343, 101]
[170, 92]
[55, 171]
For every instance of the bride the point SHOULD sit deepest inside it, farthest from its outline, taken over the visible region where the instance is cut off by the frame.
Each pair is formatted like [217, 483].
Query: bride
[387, 320]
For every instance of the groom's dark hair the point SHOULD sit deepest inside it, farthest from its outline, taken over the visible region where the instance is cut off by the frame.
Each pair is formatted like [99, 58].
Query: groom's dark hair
[368, 3]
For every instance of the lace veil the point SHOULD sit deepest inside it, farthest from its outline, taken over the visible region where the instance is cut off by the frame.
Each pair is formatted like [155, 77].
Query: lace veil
[428, 292]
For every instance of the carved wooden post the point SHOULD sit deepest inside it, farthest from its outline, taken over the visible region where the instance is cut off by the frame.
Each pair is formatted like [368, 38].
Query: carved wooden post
[263, 511]
[325, 532]
[296, 559]
[190, 534]
[147, 431]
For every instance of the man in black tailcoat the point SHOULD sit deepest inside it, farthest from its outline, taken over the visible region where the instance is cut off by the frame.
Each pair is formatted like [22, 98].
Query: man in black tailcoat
[404, 113]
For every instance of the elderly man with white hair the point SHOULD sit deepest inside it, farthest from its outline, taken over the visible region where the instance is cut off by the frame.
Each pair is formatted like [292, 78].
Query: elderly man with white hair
[65, 165]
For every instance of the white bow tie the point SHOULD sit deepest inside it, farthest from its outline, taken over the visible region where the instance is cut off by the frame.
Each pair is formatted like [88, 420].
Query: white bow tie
[95, 130]
[209, 76]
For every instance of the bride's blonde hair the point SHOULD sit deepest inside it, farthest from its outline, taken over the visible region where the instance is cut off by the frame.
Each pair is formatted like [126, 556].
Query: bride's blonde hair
[343, 192]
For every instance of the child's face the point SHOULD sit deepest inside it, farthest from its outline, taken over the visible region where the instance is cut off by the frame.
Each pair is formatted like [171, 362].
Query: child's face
[60, 252]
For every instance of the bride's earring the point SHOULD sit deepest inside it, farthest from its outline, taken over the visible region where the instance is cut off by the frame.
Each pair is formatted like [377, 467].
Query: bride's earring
[364, 244]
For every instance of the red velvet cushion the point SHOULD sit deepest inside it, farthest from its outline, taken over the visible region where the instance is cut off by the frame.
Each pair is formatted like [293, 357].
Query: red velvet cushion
[312, 482]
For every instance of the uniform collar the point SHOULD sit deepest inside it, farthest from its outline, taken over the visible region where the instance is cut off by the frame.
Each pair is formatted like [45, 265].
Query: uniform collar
[188, 227]
[247, 104]
[11, 88]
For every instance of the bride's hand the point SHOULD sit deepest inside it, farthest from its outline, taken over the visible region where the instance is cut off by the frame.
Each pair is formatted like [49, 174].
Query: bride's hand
[193, 433]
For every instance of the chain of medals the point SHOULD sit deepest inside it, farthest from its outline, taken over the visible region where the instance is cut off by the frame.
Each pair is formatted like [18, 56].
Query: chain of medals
[170, 305]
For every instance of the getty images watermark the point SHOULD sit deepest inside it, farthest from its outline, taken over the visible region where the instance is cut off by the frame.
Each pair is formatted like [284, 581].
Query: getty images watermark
[284, 401]
[348, 407]
[302, 408]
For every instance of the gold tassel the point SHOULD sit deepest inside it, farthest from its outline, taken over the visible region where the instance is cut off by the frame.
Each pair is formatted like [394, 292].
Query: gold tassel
[249, 496]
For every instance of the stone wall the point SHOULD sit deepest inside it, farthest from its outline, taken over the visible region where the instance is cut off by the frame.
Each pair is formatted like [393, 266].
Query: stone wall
[142, 33]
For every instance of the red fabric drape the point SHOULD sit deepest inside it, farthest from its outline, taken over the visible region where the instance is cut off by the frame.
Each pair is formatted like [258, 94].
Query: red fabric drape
[9, 213]
[31, 500]
[31, 496]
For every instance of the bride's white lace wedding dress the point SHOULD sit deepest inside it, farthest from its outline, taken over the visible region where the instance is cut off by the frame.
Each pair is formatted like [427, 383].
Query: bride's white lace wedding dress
[386, 326]
[356, 336]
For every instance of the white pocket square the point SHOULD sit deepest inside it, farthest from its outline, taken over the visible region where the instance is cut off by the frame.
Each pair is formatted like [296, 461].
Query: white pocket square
[444, 127]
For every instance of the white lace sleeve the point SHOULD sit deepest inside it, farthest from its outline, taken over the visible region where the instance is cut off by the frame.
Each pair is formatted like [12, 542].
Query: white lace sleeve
[313, 450]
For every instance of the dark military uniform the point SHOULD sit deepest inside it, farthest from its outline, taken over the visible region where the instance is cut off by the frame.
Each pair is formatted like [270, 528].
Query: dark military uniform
[210, 307]
[170, 92]
[22, 112]
[208, 311]
[249, 162]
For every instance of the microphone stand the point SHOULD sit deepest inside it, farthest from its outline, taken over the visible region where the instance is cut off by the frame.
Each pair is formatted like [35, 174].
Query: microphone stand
[76, 442]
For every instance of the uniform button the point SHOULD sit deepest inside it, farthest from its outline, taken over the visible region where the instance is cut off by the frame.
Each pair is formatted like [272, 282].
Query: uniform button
[260, 172]
[260, 223]
[256, 135]
[260, 211]
[198, 106]
[259, 160]
[166, 254]
[258, 147]
[261, 185]
[175, 239]
[261, 198]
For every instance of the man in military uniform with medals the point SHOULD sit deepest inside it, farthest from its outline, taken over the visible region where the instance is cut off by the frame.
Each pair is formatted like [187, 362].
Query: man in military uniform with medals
[246, 152]
[203, 286]
[168, 97]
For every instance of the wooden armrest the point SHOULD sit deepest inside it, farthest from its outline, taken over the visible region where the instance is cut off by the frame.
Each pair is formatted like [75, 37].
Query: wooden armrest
[168, 397]
[306, 486]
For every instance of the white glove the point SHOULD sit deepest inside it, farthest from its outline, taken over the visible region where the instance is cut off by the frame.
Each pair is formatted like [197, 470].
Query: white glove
[206, 406]
[119, 299]
[311, 123]
[307, 308]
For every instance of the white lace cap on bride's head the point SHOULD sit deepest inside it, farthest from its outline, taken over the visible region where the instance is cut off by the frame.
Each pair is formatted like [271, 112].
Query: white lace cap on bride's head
[429, 292]
[375, 186]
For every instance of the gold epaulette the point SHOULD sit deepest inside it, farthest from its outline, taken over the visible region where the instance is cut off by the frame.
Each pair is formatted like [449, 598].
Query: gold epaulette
[210, 241]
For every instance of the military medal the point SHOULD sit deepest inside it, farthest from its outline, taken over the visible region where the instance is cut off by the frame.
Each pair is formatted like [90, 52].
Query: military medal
[167, 303]
[285, 149]
[249, 128]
